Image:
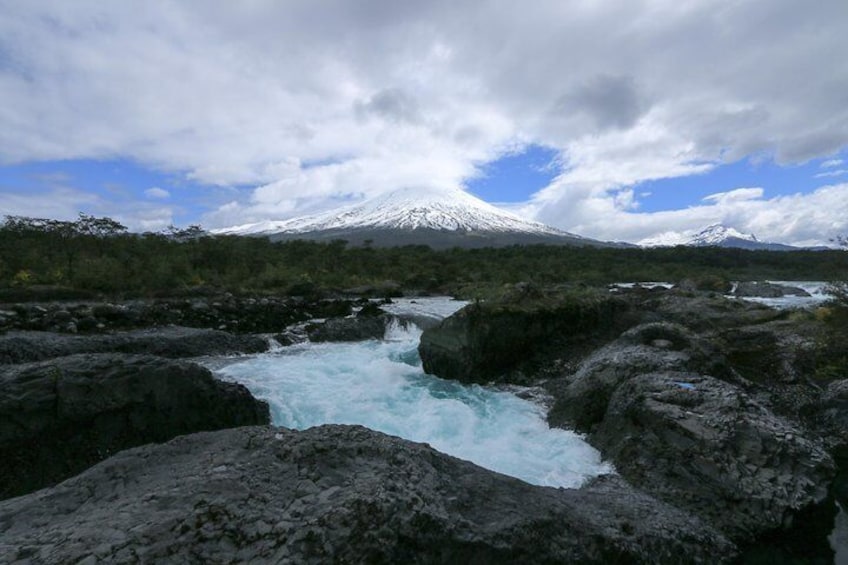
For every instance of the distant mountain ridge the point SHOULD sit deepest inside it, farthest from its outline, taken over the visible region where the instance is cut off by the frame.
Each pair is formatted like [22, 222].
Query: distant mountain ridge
[439, 218]
[716, 235]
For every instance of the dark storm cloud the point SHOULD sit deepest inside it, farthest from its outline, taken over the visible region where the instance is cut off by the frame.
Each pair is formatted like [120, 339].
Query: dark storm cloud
[393, 104]
[608, 101]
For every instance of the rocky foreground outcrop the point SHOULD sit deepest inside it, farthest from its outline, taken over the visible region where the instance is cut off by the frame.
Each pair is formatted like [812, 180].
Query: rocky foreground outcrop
[61, 416]
[709, 404]
[704, 445]
[696, 441]
[336, 494]
[726, 443]
[582, 398]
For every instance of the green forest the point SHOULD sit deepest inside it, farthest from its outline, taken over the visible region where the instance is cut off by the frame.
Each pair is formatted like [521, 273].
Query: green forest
[99, 255]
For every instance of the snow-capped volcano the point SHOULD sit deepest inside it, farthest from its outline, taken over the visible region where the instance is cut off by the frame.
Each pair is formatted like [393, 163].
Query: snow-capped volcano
[408, 209]
[438, 218]
[716, 235]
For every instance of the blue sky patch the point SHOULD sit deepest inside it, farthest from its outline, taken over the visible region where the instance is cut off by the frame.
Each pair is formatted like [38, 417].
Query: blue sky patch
[114, 181]
[514, 177]
[774, 179]
[104, 178]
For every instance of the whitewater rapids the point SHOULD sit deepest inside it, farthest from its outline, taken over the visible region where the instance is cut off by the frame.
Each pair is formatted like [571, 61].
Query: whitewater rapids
[380, 385]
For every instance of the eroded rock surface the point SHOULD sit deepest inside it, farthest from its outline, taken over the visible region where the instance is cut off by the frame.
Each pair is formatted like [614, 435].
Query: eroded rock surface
[337, 494]
[61, 416]
[581, 400]
[699, 442]
[706, 446]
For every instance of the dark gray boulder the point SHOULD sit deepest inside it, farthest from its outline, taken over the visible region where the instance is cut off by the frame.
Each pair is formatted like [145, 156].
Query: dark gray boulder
[702, 406]
[172, 342]
[336, 494]
[61, 416]
[528, 338]
[763, 289]
[508, 340]
[780, 359]
[358, 328]
[781, 351]
[706, 446]
[712, 446]
[704, 311]
[829, 415]
[581, 400]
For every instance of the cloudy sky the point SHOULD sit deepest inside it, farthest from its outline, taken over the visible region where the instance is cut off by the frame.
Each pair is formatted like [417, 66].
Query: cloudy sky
[619, 119]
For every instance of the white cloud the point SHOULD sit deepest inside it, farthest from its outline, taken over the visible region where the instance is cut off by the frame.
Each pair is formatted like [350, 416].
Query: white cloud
[835, 173]
[60, 202]
[313, 102]
[797, 219]
[830, 163]
[65, 203]
[157, 193]
[735, 195]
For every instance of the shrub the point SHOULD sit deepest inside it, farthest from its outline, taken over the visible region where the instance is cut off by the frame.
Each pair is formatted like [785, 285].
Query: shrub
[23, 277]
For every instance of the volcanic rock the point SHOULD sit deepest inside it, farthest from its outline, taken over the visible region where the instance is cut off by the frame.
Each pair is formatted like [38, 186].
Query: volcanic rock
[581, 400]
[762, 289]
[504, 341]
[336, 494]
[173, 342]
[704, 445]
[347, 329]
[61, 416]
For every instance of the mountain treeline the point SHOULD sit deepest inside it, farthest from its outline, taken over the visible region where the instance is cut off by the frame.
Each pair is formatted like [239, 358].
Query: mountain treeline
[100, 255]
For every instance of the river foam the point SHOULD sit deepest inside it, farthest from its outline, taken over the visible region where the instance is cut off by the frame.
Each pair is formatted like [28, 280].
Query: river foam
[380, 384]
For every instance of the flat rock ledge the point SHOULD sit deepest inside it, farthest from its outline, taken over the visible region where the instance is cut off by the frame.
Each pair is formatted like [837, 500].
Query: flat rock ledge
[336, 494]
[172, 342]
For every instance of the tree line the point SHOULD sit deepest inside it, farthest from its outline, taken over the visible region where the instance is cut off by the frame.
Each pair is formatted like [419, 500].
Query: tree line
[101, 255]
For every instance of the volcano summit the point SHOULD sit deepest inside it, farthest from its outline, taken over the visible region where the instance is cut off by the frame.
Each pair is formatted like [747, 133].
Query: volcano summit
[438, 218]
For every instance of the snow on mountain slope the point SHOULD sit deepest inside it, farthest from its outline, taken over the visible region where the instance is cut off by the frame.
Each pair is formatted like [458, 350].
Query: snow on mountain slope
[715, 234]
[408, 209]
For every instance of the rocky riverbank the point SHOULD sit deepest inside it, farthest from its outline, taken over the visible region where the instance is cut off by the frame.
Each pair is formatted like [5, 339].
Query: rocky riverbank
[727, 445]
[172, 342]
[235, 314]
[82, 381]
[709, 404]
